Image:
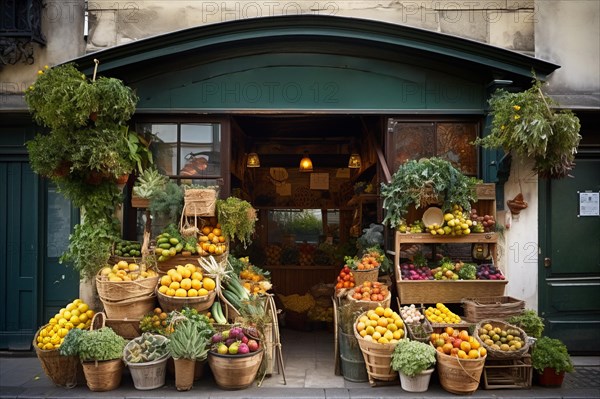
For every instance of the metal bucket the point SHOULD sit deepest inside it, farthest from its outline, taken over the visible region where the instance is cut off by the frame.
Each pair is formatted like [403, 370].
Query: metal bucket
[352, 360]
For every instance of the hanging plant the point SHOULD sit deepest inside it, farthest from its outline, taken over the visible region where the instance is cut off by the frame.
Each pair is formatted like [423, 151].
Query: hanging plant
[237, 219]
[527, 124]
[88, 147]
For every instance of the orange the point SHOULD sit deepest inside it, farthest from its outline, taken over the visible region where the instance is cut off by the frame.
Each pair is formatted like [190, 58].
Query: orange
[186, 273]
[462, 354]
[473, 354]
[482, 352]
[180, 292]
[170, 292]
[449, 331]
[165, 280]
[464, 335]
[208, 283]
[186, 283]
[465, 346]
[206, 230]
[174, 285]
[216, 231]
[196, 284]
[447, 347]
[192, 292]
[176, 277]
[163, 289]
[196, 276]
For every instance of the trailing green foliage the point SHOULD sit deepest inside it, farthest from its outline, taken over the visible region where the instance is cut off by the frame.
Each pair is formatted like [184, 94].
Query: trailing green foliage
[237, 219]
[434, 179]
[551, 353]
[101, 344]
[526, 124]
[89, 246]
[412, 357]
[529, 321]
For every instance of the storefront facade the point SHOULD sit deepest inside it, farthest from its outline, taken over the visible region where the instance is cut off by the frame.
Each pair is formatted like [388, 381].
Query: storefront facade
[217, 78]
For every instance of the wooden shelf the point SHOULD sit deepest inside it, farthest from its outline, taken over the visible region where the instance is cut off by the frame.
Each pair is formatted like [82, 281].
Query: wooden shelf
[448, 291]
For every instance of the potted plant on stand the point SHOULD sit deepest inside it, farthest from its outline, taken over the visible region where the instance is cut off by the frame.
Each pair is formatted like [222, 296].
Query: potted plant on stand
[423, 183]
[187, 344]
[551, 360]
[415, 362]
[100, 351]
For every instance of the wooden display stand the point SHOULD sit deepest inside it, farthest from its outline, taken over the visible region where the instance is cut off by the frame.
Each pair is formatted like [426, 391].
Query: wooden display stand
[450, 291]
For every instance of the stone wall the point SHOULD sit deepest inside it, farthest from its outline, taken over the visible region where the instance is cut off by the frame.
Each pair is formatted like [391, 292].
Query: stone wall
[504, 23]
[63, 28]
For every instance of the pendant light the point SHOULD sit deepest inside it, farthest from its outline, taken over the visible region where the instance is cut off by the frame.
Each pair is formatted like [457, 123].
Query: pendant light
[305, 163]
[253, 160]
[354, 162]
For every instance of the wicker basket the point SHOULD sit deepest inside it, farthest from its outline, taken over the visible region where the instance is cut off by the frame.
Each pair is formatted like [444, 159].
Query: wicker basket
[139, 202]
[496, 307]
[104, 375]
[459, 376]
[122, 290]
[235, 371]
[360, 276]
[64, 371]
[365, 305]
[500, 354]
[200, 303]
[126, 328]
[378, 358]
[134, 308]
[200, 202]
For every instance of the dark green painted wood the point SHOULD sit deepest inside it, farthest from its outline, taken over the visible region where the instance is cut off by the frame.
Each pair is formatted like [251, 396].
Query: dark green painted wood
[309, 81]
[569, 290]
[312, 31]
[60, 282]
[19, 218]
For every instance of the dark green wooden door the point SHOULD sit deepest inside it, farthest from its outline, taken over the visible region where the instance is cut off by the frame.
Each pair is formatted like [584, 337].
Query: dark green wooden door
[19, 253]
[569, 262]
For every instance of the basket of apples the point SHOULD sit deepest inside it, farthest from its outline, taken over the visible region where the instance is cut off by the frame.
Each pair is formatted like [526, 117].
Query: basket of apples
[235, 358]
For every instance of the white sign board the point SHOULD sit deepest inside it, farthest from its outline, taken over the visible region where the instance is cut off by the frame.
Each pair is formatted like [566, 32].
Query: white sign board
[589, 203]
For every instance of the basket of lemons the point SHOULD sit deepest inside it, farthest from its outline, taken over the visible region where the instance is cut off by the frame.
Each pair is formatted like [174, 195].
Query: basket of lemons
[186, 286]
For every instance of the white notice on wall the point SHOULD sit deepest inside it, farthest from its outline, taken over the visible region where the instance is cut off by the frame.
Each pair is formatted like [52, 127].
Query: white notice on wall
[589, 203]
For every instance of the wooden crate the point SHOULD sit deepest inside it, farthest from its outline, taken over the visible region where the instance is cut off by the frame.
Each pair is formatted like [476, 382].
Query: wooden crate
[445, 291]
[507, 374]
[492, 307]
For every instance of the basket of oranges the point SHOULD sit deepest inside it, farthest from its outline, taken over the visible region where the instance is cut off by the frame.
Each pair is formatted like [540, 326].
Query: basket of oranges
[186, 286]
[460, 359]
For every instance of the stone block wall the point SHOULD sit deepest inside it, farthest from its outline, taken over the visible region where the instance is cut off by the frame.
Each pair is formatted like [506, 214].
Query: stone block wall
[504, 23]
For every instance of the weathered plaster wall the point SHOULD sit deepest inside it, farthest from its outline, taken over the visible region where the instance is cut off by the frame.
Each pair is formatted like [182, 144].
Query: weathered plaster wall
[505, 23]
[520, 244]
[568, 33]
[62, 25]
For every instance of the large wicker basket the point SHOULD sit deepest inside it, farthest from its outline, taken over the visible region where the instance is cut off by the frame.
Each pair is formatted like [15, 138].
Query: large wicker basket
[126, 328]
[360, 276]
[378, 358]
[365, 305]
[134, 308]
[64, 371]
[500, 354]
[123, 290]
[459, 376]
[200, 202]
[104, 375]
[495, 307]
[200, 303]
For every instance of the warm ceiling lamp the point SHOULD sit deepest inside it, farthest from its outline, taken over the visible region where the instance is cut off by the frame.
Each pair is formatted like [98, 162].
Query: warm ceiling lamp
[253, 160]
[354, 162]
[306, 163]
